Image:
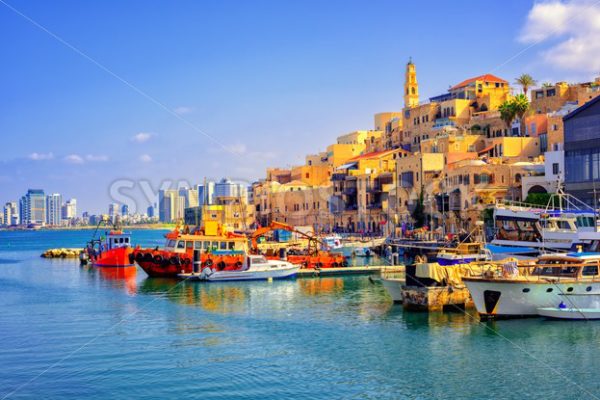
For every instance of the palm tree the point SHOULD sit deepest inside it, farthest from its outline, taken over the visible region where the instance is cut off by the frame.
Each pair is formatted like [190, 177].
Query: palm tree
[526, 81]
[547, 84]
[520, 105]
[507, 113]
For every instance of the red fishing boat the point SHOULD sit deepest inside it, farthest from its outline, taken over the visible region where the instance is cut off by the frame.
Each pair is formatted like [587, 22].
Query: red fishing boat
[111, 250]
[219, 250]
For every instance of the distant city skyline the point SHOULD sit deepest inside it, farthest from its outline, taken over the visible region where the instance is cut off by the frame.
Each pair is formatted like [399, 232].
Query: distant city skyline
[171, 93]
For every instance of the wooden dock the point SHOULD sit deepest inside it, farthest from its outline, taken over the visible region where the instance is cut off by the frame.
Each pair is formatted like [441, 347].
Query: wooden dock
[364, 270]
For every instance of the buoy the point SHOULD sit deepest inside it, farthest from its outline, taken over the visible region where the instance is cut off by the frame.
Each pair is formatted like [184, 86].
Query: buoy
[270, 279]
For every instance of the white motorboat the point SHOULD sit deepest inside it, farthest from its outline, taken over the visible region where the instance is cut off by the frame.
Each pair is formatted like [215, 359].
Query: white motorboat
[394, 287]
[569, 313]
[255, 267]
[574, 306]
[563, 224]
[512, 289]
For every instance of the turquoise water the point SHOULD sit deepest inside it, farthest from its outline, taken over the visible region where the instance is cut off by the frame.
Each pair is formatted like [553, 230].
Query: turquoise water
[68, 332]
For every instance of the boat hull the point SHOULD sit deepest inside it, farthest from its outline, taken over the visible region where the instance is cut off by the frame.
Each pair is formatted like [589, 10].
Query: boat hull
[574, 314]
[509, 298]
[114, 258]
[280, 273]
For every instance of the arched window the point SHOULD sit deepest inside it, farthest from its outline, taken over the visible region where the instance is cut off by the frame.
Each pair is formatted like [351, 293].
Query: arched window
[413, 91]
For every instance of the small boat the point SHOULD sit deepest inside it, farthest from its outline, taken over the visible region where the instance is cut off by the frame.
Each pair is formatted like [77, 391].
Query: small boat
[362, 252]
[255, 267]
[569, 313]
[463, 253]
[111, 250]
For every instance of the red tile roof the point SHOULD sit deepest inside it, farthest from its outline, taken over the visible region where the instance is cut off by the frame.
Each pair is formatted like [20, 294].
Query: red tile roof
[485, 78]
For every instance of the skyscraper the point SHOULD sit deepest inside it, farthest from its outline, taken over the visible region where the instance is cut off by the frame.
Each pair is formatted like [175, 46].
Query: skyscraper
[69, 209]
[33, 207]
[54, 209]
[11, 213]
[170, 205]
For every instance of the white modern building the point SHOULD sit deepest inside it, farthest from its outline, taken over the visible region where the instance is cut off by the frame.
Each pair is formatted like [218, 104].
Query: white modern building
[54, 209]
[32, 208]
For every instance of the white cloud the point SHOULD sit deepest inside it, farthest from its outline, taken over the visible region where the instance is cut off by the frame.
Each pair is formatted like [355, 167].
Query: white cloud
[182, 110]
[145, 158]
[237, 148]
[74, 159]
[575, 26]
[41, 156]
[98, 157]
[142, 137]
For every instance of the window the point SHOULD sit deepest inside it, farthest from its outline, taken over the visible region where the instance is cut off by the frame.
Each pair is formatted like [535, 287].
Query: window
[181, 244]
[551, 92]
[198, 245]
[555, 168]
[189, 245]
[223, 245]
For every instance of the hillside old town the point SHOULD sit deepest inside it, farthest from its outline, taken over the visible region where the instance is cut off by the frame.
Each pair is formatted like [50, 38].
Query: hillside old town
[438, 163]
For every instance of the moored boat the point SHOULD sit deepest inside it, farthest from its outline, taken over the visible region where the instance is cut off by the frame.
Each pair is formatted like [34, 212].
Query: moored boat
[519, 289]
[109, 251]
[254, 267]
[223, 250]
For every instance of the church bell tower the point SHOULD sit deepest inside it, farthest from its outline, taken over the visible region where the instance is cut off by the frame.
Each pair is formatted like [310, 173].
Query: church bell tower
[411, 87]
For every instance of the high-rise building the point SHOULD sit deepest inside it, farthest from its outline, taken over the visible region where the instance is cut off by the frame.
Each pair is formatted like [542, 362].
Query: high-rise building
[124, 210]
[411, 87]
[69, 209]
[229, 189]
[11, 213]
[150, 211]
[206, 193]
[54, 209]
[33, 207]
[170, 205]
[190, 197]
[113, 210]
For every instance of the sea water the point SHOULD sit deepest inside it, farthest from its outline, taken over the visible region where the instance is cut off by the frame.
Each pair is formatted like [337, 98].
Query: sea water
[72, 332]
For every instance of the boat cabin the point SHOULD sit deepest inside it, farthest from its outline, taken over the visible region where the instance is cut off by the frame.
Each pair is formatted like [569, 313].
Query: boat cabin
[207, 244]
[117, 239]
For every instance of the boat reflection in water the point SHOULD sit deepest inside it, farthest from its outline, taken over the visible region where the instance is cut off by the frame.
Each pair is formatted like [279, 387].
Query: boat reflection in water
[122, 278]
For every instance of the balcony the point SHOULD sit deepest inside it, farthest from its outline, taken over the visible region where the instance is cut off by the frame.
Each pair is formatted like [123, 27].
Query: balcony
[338, 177]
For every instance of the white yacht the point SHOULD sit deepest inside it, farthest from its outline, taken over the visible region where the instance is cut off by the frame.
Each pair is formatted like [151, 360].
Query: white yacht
[513, 290]
[563, 224]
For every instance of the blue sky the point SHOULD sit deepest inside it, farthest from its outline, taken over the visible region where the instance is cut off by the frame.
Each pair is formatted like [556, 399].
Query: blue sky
[268, 81]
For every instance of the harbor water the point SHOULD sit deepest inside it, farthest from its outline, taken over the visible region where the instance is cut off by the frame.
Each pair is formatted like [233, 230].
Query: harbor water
[70, 332]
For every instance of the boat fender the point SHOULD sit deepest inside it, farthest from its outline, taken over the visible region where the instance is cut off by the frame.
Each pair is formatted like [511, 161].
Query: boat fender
[131, 258]
[158, 259]
[139, 257]
[221, 265]
[186, 261]
[238, 265]
[336, 265]
[148, 257]
[318, 265]
[174, 260]
[208, 263]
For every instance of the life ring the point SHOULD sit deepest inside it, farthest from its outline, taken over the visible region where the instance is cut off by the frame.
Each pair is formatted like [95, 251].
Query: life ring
[318, 265]
[158, 259]
[238, 265]
[344, 263]
[148, 257]
[335, 265]
[139, 257]
[174, 260]
[305, 264]
[221, 265]
[208, 263]
[131, 258]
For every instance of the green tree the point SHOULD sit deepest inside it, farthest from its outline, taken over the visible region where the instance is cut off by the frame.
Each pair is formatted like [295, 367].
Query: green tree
[507, 112]
[418, 214]
[525, 81]
[520, 105]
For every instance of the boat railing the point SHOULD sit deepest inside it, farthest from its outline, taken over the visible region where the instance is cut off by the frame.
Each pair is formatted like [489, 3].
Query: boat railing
[511, 270]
